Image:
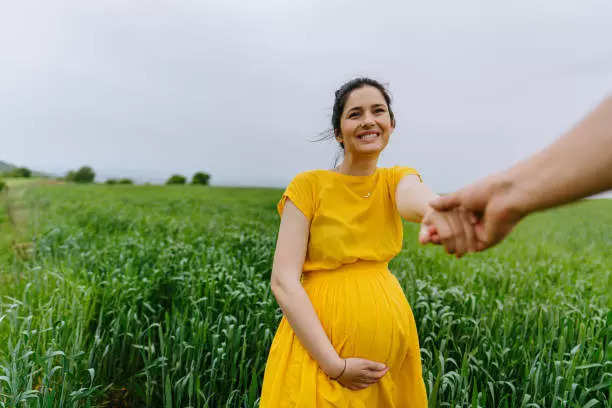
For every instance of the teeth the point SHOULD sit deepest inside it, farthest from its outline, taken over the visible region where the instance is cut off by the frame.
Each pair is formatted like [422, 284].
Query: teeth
[368, 136]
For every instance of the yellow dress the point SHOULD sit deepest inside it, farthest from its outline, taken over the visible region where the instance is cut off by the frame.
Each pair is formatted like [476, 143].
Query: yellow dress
[359, 302]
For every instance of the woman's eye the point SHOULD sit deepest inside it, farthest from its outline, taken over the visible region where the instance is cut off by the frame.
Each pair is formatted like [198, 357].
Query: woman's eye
[380, 110]
[353, 114]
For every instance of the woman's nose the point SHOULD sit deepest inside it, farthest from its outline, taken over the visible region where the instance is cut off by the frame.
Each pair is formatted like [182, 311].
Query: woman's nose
[368, 120]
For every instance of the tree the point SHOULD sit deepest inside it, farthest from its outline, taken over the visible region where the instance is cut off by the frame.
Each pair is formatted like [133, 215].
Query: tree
[176, 179]
[200, 178]
[125, 181]
[2, 185]
[20, 172]
[83, 175]
[111, 181]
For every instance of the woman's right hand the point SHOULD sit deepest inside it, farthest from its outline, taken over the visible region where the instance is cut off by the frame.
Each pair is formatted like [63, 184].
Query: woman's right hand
[361, 373]
[454, 229]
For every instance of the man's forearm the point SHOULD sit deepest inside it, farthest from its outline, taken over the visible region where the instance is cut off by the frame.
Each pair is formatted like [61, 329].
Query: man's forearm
[577, 165]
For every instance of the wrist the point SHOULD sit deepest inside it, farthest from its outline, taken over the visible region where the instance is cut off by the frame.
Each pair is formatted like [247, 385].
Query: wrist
[427, 209]
[335, 368]
[510, 197]
[337, 377]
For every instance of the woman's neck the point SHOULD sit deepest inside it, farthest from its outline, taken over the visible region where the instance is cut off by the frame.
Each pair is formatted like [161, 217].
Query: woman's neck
[362, 167]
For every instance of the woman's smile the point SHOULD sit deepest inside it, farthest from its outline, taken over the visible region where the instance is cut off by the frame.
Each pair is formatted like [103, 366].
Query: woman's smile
[368, 136]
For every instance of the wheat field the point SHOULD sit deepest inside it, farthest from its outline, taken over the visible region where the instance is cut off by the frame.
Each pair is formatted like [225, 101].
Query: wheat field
[159, 296]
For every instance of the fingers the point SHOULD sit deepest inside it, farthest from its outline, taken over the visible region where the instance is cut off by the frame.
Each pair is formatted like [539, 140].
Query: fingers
[445, 203]
[428, 234]
[424, 235]
[361, 373]
[447, 234]
[424, 232]
[370, 377]
[444, 233]
[374, 366]
[433, 235]
[468, 229]
[455, 229]
[444, 230]
[472, 217]
[458, 237]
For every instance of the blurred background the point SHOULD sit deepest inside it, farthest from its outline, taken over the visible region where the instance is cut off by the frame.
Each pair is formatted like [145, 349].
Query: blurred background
[239, 90]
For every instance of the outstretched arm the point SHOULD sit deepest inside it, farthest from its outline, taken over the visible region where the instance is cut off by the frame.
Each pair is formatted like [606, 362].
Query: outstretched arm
[577, 165]
[451, 228]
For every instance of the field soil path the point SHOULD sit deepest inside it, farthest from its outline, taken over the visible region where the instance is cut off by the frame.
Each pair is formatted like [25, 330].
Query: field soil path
[17, 213]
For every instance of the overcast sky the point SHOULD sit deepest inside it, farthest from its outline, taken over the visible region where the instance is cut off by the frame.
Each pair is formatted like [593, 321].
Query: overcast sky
[239, 89]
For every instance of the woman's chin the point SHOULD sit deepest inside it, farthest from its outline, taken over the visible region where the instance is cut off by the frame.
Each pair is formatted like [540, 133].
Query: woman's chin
[371, 148]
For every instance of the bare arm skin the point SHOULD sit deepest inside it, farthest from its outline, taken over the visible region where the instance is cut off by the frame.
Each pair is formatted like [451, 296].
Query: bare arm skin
[291, 247]
[576, 165]
[452, 228]
[285, 283]
[412, 198]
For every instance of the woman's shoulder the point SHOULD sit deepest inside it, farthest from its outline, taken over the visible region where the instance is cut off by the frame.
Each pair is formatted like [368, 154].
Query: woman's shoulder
[399, 167]
[306, 174]
[311, 175]
[397, 171]
[308, 178]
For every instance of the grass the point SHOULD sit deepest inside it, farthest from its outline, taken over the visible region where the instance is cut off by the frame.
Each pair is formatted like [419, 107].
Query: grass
[159, 296]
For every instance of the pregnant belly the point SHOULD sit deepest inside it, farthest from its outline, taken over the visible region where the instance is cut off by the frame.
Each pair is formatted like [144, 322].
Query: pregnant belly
[363, 311]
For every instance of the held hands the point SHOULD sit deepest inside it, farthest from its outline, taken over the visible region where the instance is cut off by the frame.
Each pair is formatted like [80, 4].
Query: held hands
[455, 229]
[474, 218]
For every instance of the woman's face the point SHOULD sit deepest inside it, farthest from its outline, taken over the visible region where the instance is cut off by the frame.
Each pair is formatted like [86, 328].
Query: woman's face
[365, 122]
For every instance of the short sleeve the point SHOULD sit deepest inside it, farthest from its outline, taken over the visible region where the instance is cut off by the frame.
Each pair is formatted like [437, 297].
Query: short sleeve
[400, 171]
[395, 175]
[301, 193]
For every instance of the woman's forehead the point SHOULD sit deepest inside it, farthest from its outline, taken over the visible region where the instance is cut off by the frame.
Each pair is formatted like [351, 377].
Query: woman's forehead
[364, 97]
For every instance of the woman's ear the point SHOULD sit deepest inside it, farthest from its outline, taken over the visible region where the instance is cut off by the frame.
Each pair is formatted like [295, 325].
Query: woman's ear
[338, 136]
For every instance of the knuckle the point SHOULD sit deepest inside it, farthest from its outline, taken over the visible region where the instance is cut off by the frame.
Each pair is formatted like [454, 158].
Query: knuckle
[445, 235]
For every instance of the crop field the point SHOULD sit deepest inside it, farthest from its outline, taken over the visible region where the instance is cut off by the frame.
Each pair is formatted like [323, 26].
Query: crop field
[159, 296]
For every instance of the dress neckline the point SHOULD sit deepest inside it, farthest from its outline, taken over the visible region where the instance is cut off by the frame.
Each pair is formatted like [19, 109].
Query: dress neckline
[351, 176]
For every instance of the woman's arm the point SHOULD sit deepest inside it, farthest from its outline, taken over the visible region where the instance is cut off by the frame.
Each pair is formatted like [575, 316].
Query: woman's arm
[453, 228]
[412, 198]
[289, 256]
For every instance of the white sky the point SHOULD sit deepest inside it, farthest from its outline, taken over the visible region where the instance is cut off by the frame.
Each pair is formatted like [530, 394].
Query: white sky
[145, 89]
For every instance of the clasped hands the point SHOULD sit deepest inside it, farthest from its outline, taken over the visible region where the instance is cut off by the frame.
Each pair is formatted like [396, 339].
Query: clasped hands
[474, 218]
[455, 229]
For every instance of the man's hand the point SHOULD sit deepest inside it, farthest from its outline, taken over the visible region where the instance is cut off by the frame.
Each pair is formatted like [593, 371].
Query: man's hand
[575, 166]
[491, 204]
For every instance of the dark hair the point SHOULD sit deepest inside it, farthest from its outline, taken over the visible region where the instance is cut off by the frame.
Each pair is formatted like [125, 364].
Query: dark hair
[342, 94]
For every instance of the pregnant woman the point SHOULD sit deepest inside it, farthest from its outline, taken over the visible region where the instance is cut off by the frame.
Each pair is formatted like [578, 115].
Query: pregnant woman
[347, 338]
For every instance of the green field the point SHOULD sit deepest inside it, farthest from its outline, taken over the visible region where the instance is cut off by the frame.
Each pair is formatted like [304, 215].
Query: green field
[159, 296]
